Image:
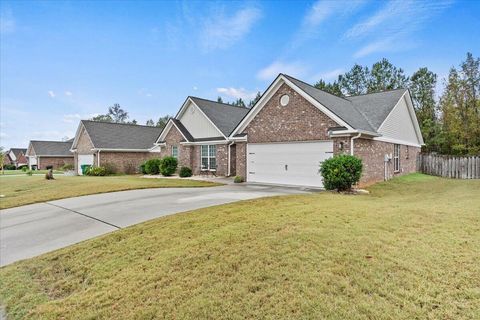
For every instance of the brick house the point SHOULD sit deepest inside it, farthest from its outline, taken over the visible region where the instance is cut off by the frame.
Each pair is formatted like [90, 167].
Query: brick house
[290, 130]
[43, 154]
[15, 156]
[125, 146]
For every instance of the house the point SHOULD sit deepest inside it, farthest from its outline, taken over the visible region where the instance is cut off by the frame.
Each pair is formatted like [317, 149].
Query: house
[16, 156]
[124, 146]
[291, 130]
[43, 154]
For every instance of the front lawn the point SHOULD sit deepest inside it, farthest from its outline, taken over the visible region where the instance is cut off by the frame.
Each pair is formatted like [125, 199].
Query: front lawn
[23, 190]
[409, 250]
[20, 172]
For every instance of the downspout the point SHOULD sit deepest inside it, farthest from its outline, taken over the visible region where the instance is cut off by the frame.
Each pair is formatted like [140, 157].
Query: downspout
[229, 159]
[352, 145]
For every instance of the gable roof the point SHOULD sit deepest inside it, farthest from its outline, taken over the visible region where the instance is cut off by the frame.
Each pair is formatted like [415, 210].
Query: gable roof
[377, 106]
[121, 136]
[224, 116]
[182, 129]
[341, 107]
[52, 148]
[18, 151]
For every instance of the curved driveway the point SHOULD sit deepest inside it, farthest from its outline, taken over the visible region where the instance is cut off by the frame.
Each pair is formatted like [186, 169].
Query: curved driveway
[31, 230]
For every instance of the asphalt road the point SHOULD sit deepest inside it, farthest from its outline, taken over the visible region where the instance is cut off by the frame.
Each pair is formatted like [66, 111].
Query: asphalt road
[31, 230]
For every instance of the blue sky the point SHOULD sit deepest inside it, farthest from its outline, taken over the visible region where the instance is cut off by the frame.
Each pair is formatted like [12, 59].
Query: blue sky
[65, 61]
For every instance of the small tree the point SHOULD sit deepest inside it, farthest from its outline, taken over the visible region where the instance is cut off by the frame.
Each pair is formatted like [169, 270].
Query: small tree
[341, 172]
[168, 166]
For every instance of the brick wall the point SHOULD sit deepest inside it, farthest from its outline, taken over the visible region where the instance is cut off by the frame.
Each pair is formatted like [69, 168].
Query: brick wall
[373, 152]
[125, 161]
[233, 160]
[84, 146]
[241, 159]
[185, 153]
[56, 162]
[298, 121]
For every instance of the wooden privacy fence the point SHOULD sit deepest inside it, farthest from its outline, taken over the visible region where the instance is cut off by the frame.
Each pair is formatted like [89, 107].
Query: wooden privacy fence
[449, 166]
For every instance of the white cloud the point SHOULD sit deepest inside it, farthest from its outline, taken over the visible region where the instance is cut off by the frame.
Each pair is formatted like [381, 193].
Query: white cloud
[68, 93]
[70, 118]
[320, 12]
[393, 25]
[220, 31]
[51, 94]
[237, 93]
[7, 22]
[195, 88]
[329, 75]
[295, 69]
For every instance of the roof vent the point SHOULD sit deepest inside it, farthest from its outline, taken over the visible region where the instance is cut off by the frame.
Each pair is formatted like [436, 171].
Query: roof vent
[284, 100]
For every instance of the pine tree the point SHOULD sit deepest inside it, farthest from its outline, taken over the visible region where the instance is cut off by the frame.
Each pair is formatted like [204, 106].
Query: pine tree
[333, 88]
[355, 81]
[219, 99]
[255, 100]
[150, 123]
[385, 76]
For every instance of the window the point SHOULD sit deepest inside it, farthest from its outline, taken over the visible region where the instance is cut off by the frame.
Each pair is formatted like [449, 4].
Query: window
[175, 152]
[208, 155]
[396, 157]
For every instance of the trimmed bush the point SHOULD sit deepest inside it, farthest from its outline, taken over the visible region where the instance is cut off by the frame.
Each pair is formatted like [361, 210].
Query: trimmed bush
[9, 167]
[152, 166]
[185, 172]
[49, 167]
[96, 171]
[238, 179]
[168, 166]
[24, 169]
[341, 172]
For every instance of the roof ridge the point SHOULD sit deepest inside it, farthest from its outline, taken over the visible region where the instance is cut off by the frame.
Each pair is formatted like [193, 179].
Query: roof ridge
[222, 103]
[308, 84]
[376, 92]
[115, 123]
[50, 141]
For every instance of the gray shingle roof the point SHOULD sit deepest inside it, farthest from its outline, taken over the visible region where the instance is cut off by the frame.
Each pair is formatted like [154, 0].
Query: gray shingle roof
[224, 116]
[18, 151]
[377, 106]
[364, 112]
[106, 135]
[183, 130]
[52, 148]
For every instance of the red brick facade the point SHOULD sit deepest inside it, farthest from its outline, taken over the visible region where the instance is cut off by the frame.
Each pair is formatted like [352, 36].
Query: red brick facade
[125, 162]
[55, 162]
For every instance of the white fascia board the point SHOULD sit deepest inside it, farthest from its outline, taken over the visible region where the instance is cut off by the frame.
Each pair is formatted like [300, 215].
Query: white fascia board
[396, 141]
[167, 128]
[120, 150]
[268, 94]
[54, 156]
[205, 142]
[238, 139]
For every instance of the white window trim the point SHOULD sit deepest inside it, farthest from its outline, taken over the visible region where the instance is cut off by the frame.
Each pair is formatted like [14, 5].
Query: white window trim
[208, 157]
[396, 158]
[178, 152]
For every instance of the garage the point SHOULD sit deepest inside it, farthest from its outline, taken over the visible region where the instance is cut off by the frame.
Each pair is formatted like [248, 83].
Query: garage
[293, 163]
[84, 159]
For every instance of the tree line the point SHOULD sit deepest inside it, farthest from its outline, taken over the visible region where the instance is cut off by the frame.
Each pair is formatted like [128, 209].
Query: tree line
[450, 124]
[116, 114]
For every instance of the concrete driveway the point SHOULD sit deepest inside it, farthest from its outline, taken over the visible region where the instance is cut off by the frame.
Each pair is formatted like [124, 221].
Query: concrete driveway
[31, 230]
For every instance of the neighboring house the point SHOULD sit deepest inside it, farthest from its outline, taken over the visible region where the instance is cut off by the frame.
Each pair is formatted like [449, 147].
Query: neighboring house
[291, 130]
[124, 146]
[16, 156]
[199, 136]
[43, 154]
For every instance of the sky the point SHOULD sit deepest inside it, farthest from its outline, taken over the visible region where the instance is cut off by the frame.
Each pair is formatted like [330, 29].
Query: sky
[62, 61]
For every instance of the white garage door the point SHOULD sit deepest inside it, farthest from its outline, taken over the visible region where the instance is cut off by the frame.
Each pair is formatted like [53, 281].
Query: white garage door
[287, 163]
[84, 159]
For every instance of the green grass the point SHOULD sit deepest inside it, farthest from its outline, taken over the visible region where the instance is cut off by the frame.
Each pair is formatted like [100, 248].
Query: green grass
[20, 172]
[23, 190]
[408, 250]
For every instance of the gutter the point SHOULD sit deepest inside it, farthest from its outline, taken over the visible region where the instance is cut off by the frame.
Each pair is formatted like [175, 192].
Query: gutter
[352, 144]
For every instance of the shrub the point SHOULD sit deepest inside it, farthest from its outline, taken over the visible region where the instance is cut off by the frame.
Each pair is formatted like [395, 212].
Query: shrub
[341, 172]
[152, 166]
[238, 179]
[168, 166]
[24, 169]
[110, 168]
[185, 172]
[96, 171]
[67, 167]
[9, 167]
[142, 168]
[49, 167]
